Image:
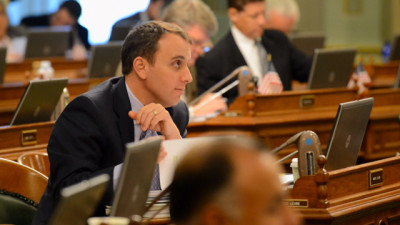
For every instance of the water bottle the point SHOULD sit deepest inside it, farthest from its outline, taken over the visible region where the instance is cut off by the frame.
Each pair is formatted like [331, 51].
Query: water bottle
[386, 52]
[45, 71]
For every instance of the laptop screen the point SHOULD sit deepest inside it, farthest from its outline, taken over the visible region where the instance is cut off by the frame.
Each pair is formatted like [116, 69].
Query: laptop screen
[348, 133]
[78, 202]
[104, 59]
[47, 42]
[39, 101]
[3, 55]
[136, 177]
[397, 82]
[331, 68]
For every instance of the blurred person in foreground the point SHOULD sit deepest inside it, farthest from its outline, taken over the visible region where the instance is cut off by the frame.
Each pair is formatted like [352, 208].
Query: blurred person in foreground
[200, 23]
[229, 181]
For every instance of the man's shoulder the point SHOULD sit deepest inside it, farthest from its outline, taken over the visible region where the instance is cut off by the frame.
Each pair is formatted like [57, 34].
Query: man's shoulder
[275, 35]
[128, 21]
[221, 49]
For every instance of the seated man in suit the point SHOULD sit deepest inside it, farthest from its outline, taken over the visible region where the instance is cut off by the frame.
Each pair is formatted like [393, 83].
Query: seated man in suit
[122, 27]
[67, 15]
[246, 43]
[228, 182]
[90, 135]
[199, 22]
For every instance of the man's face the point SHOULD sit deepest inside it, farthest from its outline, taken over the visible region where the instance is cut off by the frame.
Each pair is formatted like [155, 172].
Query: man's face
[62, 18]
[261, 198]
[200, 40]
[251, 20]
[169, 74]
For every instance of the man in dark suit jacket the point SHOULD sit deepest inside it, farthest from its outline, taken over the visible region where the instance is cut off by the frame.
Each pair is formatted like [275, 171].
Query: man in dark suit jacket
[248, 19]
[89, 137]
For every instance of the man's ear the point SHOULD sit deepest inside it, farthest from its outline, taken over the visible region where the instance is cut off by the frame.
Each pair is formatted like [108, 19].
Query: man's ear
[140, 65]
[233, 14]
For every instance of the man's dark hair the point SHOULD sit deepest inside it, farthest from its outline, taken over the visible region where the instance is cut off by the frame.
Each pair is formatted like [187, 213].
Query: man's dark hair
[197, 181]
[73, 7]
[143, 41]
[239, 4]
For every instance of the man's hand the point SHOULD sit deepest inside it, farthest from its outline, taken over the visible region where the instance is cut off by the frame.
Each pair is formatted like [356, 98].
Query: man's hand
[210, 104]
[156, 118]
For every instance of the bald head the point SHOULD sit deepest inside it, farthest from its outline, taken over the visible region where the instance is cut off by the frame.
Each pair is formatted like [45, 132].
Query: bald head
[227, 182]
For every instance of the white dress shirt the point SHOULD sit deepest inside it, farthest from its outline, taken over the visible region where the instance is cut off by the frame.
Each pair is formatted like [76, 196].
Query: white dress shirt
[249, 51]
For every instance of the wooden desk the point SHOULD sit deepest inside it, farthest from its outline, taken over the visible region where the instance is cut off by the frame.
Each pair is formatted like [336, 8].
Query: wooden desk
[350, 196]
[19, 139]
[383, 75]
[11, 93]
[21, 72]
[277, 118]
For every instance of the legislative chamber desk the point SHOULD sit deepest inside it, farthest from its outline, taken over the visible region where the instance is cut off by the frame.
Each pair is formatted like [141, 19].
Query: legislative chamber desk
[275, 118]
[364, 194]
[15, 140]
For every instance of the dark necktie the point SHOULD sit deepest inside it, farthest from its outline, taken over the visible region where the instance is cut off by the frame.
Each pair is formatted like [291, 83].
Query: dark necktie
[155, 183]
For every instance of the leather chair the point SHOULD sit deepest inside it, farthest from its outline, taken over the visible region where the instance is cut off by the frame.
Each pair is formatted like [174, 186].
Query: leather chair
[36, 160]
[21, 188]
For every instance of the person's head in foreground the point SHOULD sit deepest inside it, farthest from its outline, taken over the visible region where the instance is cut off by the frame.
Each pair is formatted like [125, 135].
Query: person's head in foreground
[155, 58]
[197, 19]
[229, 181]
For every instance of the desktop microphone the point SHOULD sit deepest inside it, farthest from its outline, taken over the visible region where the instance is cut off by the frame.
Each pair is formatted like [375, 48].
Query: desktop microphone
[309, 148]
[243, 72]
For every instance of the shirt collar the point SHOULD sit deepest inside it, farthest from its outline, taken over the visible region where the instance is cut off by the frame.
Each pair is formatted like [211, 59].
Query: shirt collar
[135, 103]
[241, 38]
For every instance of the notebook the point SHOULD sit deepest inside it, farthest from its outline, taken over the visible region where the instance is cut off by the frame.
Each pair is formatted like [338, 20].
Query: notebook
[136, 177]
[348, 133]
[3, 64]
[38, 101]
[104, 59]
[331, 68]
[395, 49]
[44, 42]
[308, 42]
[78, 202]
[397, 82]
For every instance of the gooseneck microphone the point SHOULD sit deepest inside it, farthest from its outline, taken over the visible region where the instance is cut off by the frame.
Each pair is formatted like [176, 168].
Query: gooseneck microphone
[309, 148]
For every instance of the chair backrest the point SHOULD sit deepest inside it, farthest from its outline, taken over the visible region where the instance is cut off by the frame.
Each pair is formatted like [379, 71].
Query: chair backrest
[36, 160]
[21, 188]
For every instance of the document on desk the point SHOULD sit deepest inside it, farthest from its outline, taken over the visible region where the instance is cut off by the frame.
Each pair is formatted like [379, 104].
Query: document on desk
[176, 150]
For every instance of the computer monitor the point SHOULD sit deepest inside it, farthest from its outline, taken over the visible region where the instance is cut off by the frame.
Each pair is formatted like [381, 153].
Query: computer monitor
[395, 49]
[348, 133]
[45, 42]
[308, 42]
[79, 201]
[39, 101]
[331, 68]
[104, 60]
[136, 177]
[3, 55]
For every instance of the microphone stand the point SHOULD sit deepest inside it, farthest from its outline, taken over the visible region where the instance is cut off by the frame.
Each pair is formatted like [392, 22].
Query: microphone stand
[218, 85]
